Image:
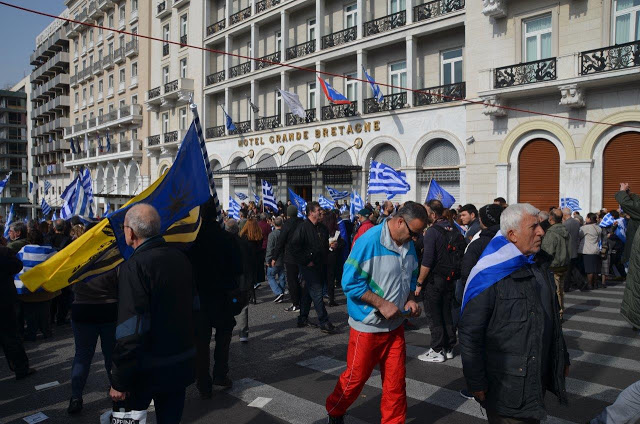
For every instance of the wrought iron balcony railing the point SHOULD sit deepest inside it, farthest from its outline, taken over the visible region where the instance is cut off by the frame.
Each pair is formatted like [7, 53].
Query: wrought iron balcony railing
[292, 119]
[241, 127]
[183, 40]
[525, 73]
[218, 26]
[154, 140]
[612, 58]
[241, 69]
[390, 102]
[301, 49]
[154, 92]
[165, 49]
[340, 37]
[215, 77]
[263, 5]
[240, 16]
[440, 94]
[162, 6]
[339, 111]
[170, 137]
[269, 59]
[170, 86]
[267, 123]
[436, 8]
[386, 23]
[213, 132]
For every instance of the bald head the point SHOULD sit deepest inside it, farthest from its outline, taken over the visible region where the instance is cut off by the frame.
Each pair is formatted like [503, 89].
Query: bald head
[143, 220]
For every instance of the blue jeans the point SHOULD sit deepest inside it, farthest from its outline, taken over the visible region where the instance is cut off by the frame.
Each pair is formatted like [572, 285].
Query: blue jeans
[86, 337]
[312, 292]
[277, 286]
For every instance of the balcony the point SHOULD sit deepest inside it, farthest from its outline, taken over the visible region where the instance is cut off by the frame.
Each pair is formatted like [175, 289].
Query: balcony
[105, 5]
[525, 73]
[100, 96]
[386, 23]
[263, 5]
[179, 3]
[134, 82]
[301, 50]
[97, 68]
[107, 62]
[124, 149]
[291, 119]
[118, 55]
[165, 49]
[339, 111]
[163, 9]
[390, 102]
[93, 10]
[122, 24]
[267, 123]
[268, 60]
[240, 16]
[109, 93]
[241, 127]
[99, 38]
[115, 120]
[613, 58]
[165, 142]
[133, 17]
[90, 101]
[340, 37]
[441, 94]
[215, 132]
[154, 93]
[173, 93]
[218, 26]
[131, 48]
[183, 40]
[216, 77]
[434, 9]
[121, 87]
[241, 69]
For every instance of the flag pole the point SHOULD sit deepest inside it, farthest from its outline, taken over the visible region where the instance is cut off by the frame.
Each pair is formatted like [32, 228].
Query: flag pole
[368, 178]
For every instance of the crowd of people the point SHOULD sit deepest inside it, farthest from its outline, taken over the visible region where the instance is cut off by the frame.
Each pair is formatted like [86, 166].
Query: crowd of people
[489, 280]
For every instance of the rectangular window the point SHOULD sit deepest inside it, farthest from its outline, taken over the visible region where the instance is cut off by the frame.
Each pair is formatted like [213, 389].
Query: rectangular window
[165, 32]
[165, 122]
[134, 69]
[76, 97]
[122, 41]
[100, 112]
[110, 85]
[311, 95]
[183, 25]
[110, 48]
[165, 75]
[134, 134]
[183, 68]
[311, 29]
[100, 86]
[84, 94]
[278, 102]
[626, 21]
[398, 76]
[91, 90]
[351, 86]
[537, 38]
[122, 75]
[99, 54]
[84, 40]
[100, 25]
[451, 67]
[110, 20]
[396, 6]
[278, 41]
[351, 15]
[122, 11]
[183, 118]
[134, 99]
[122, 103]
[111, 107]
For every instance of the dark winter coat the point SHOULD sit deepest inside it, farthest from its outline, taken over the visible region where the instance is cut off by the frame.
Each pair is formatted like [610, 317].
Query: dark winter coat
[10, 265]
[474, 250]
[630, 308]
[311, 244]
[283, 249]
[630, 204]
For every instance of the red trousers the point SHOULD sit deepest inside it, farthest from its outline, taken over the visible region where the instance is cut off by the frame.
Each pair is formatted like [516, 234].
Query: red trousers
[365, 351]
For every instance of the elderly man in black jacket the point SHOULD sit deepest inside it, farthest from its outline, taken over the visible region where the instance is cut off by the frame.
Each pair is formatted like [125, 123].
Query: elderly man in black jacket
[513, 349]
[154, 353]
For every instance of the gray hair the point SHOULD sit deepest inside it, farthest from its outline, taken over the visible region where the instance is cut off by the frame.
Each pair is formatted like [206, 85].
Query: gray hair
[543, 215]
[412, 210]
[512, 216]
[231, 226]
[277, 221]
[566, 212]
[144, 220]
[19, 226]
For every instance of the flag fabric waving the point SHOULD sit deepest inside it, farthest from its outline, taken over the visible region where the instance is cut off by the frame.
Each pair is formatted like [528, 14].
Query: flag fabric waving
[621, 229]
[571, 203]
[385, 179]
[8, 223]
[241, 196]
[108, 143]
[228, 121]
[332, 95]
[293, 101]
[257, 198]
[324, 202]
[30, 187]
[299, 203]
[337, 195]
[268, 198]
[73, 147]
[234, 208]
[107, 208]
[67, 199]
[47, 186]
[343, 209]
[377, 93]
[4, 182]
[607, 221]
[356, 204]
[437, 192]
[78, 197]
[499, 259]
[46, 209]
[31, 255]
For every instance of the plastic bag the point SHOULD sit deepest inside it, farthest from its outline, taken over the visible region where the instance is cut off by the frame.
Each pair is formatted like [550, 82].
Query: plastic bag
[124, 417]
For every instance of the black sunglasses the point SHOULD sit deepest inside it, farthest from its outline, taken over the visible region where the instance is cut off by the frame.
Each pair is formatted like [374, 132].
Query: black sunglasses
[411, 233]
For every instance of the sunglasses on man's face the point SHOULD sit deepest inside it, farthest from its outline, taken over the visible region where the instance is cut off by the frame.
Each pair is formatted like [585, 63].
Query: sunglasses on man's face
[411, 232]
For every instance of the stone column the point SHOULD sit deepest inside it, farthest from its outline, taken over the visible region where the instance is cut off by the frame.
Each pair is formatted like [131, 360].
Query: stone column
[284, 33]
[361, 59]
[319, 24]
[502, 179]
[411, 53]
[412, 179]
[254, 53]
[409, 11]
[227, 13]
[360, 17]
[320, 97]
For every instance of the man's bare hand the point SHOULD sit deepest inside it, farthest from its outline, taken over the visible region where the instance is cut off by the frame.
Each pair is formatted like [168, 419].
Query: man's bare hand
[273, 262]
[412, 306]
[480, 396]
[624, 186]
[117, 396]
[389, 310]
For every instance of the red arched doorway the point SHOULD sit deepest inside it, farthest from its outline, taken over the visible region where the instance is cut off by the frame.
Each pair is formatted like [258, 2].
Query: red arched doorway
[539, 174]
[621, 164]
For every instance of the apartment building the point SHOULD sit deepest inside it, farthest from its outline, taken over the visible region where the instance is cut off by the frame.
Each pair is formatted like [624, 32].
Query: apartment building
[175, 79]
[574, 59]
[13, 147]
[404, 43]
[108, 83]
[50, 105]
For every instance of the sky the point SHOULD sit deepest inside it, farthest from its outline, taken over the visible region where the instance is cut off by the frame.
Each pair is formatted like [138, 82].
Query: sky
[19, 30]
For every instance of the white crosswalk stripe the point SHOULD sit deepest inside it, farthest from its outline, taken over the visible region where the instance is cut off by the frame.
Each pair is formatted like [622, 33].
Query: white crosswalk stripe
[603, 338]
[592, 308]
[614, 298]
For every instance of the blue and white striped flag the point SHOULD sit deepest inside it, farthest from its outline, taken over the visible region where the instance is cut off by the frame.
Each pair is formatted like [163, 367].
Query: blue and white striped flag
[299, 203]
[54, 216]
[234, 208]
[385, 179]
[337, 195]
[268, 198]
[607, 221]
[72, 144]
[241, 196]
[88, 191]
[356, 204]
[8, 223]
[499, 259]
[47, 186]
[46, 209]
[31, 255]
[621, 229]
[343, 209]
[107, 208]
[78, 197]
[50, 139]
[377, 93]
[571, 203]
[4, 182]
[255, 196]
[324, 202]
[68, 195]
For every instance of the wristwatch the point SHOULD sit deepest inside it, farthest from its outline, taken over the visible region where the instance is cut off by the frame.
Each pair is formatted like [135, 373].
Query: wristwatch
[420, 284]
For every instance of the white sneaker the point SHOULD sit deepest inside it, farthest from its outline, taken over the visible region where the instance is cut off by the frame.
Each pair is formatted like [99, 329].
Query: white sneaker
[432, 356]
[448, 353]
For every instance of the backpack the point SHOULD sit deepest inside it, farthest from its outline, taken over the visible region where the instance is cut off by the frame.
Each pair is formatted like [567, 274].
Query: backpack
[450, 263]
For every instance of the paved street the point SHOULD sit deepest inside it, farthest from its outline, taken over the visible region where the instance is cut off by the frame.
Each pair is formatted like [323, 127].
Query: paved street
[295, 369]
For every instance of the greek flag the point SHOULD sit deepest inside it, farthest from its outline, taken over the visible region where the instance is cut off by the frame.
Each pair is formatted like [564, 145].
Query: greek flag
[343, 209]
[268, 199]
[8, 223]
[77, 198]
[241, 196]
[234, 208]
[621, 230]
[73, 147]
[46, 209]
[385, 179]
[299, 203]
[337, 195]
[47, 186]
[107, 208]
[356, 204]
[437, 192]
[4, 182]
[377, 93]
[325, 203]
[54, 216]
[499, 259]
[571, 203]
[607, 221]
[86, 186]
[255, 196]
[31, 255]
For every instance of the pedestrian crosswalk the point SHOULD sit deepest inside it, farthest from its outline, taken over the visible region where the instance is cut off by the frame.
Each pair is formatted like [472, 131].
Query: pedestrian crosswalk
[604, 352]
